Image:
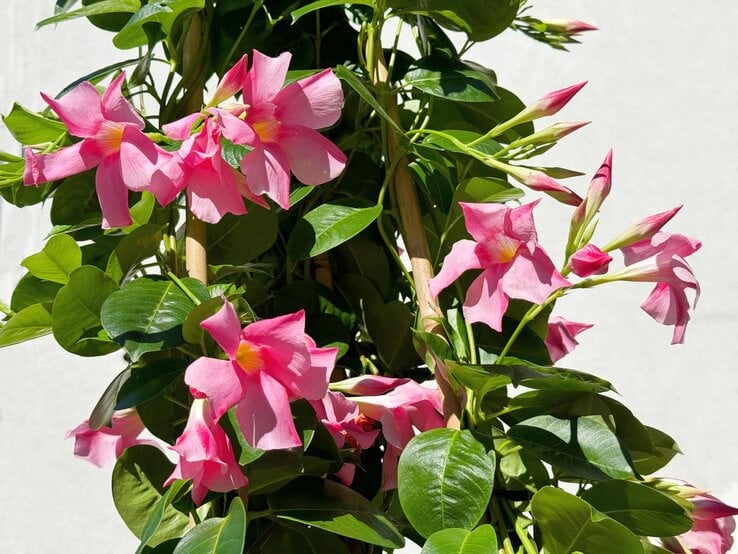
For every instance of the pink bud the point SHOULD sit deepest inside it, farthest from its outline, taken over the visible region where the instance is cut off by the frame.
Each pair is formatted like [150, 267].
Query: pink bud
[589, 260]
[552, 102]
[231, 82]
[568, 26]
[537, 180]
[642, 230]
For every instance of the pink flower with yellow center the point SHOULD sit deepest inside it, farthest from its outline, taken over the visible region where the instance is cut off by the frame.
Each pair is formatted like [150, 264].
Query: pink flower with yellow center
[112, 141]
[279, 124]
[205, 455]
[505, 247]
[270, 363]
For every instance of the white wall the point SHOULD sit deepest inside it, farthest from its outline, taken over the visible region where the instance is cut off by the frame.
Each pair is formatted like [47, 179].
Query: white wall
[662, 92]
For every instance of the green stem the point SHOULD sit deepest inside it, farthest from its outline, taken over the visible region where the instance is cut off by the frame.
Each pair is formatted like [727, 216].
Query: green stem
[530, 547]
[4, 308]
[530, 315]
[502, 527]
[184, 288]
[227, 60]
[256, 514]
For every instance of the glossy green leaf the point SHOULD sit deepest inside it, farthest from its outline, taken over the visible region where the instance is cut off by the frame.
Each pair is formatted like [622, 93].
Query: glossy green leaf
[568, 524]
[239, 239]
[329, 225]
[98, 8]
[479, 19]
[149, 381]
[350, 78]
[457, 140]
[481, 540]
[102, 413]
[314, 6]
[191, 330]
[160, 14]
[157, 514]
[77, 327]
[643, 510]
[453, 81]
[32, 290]
[31, 322]
[300, 539]
[584, 446]
[665, 449]
[445, 480]
[31, 128]
[138, 478]
[330, 506]
[219, 535]
[60, 256]
[146, 315]
[75, 201]
[141, 243]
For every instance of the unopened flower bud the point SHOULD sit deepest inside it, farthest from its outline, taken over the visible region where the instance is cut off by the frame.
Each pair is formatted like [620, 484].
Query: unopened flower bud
[589, 260]
[642, 230]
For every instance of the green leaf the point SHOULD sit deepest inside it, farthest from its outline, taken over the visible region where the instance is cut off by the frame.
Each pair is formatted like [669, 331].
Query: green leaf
[157, 514]
[146, 315]
[149, 381]
[479, 19]
[456, 140]
[329, 225]
[75, 201]
[31, 128]
[334, 508]
[76, 313]
[32, 290]
[160, 14]
[665, 447]
[481, 540]
[191, 330]
[313, 6]
[98, 8]
[31, 322]
[583, 446]
[219, 535]
[350, 78]
[141, 243]
[445, 480]
[450, 80]
[102, 413]
[299, 539]
[643, 510]
[138, 478]
[239, 239]
[60, 256]
[568, 524]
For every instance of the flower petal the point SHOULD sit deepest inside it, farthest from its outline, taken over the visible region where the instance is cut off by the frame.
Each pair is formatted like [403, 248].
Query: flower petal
[219, 380]
[312, 158]
[116, 108]
[139, 158]
[485, 302]
[532, 276]
[484, 221]
[231, 82]
[225, 328]
[80, 109]
[264, 415]
[265, 78]
[182, 128]
[210, 197]
[112, 194]
[268, 172]
[235, 129]
[283, 341]
[463, 256]
[70, 160]
[313, 102]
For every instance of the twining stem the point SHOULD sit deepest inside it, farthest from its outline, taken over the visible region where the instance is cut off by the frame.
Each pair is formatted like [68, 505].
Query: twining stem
[411, 223]
[196, 257]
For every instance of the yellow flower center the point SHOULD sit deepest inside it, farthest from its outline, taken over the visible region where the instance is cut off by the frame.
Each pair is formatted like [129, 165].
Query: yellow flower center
[503, 249]
[249, 358]
[110, 137]
[267, 129]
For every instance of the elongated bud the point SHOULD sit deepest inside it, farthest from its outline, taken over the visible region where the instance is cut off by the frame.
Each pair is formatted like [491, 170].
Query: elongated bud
[553, 133]
[537, 180]
[568, 26]
[231, 82]
[550, 103]
[644, 229]
[599, 188]
[589, 260]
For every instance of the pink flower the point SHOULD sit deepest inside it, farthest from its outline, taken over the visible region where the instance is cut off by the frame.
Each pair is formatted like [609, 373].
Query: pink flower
[214, 188]
[514, 265]
[589, 260]
[104, 445]
[112, 141]
[560, 337]
[668, 303]
[279, 124]
[205, 455]
[342, 419]
[270, 363]
[712, 530]
[407, 407]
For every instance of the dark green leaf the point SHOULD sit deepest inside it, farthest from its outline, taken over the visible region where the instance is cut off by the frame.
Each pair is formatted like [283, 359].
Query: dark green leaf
[75, 201]
[32, 290]
[329, 225]
[643, 510]
[159, 14]
[76, 313]
[450, 80]
[219, 535]
[289, 538]
[584, 447]
[102, 413]
[31, 322]
[239, 239]
[445, 480]
[31, 128]
[141, 243]
[335, 508]
[60, 256]
[138, 478]
[666, 448]
[349, 77]
[146, 315]
[481, 540]
[149, 381]
[157, 514]
[568, 524]
[98, 8]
